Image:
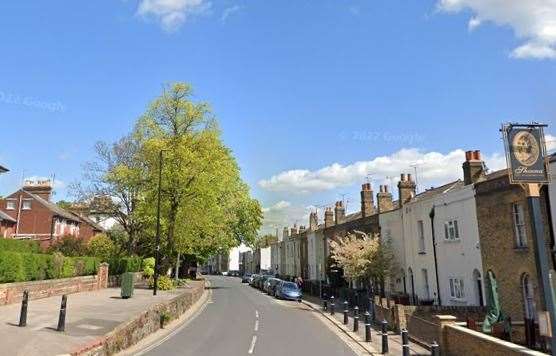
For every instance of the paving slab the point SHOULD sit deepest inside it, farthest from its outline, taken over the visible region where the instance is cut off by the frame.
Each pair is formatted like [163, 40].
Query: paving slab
[89, 316]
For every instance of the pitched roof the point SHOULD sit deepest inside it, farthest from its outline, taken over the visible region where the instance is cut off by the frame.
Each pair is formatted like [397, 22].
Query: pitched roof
[53, 207]
[432, 192]
[88, 221]
[3, 169]
[4, 216]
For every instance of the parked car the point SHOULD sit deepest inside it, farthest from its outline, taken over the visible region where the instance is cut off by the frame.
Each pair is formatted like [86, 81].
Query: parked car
[254, 280]
[246, 278]
[272, 284]
[288, 291]
[262, 281]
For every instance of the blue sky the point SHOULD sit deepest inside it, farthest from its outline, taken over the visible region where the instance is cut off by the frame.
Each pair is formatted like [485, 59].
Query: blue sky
[297, 86]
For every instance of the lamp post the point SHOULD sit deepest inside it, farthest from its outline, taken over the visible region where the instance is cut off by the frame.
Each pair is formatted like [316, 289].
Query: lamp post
[157, 248]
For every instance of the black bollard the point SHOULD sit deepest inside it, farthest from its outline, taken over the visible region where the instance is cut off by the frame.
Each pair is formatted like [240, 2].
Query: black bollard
[332, 305]
[372, 308]
[356, 319]
[346, 311]
[368, 332]
[435, 349]
[405, 343]
[324, 305]
[384, 337]
[23, 313]
[62, 318]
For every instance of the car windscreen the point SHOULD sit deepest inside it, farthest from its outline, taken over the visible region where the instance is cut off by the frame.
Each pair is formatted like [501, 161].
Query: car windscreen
[290, 286]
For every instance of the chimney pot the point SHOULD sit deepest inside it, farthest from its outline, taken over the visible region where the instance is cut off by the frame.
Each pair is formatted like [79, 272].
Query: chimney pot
[477, 155]
[469, 155]
[409, 177]
[402, 177]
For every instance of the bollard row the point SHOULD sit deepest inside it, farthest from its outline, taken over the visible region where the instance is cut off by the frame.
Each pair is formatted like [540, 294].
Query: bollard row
[25, 306]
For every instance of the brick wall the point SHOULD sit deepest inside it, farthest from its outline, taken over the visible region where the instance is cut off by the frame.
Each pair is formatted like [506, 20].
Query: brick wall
[463, 341]
[498, 243]
[13, 292]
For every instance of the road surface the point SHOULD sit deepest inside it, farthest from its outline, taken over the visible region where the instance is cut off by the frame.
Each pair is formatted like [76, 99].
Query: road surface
[240, 320]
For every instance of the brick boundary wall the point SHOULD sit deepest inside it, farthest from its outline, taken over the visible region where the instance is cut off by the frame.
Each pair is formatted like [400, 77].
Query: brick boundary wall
[131, 332]
[114, 281]
[459, 340]
[13, 292]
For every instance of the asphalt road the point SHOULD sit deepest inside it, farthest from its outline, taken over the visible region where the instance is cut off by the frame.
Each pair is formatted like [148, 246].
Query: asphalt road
[240, 320]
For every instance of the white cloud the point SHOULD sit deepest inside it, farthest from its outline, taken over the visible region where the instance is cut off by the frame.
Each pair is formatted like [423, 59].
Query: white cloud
[229, 11]
[172, 13]
[534, 21]
[433, 168]
[284, 214]
[550, 142]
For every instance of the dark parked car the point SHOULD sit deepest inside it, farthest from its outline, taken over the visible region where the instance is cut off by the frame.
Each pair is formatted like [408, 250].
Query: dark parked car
[246, 278]
[254, 280]
[272, 283]
[289, 291]
[262, 280]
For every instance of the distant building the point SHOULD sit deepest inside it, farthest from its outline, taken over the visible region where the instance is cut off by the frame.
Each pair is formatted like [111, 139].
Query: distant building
[29, 214]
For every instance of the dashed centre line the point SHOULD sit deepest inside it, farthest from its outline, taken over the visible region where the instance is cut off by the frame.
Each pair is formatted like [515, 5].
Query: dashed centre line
[257, 325]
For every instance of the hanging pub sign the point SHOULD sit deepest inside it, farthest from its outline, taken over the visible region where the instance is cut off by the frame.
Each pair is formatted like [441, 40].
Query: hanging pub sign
[525, 153]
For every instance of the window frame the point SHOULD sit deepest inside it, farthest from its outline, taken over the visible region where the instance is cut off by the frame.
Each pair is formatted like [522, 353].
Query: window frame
[26, 201]
[421, 236]
[450, 226]
[9, 202]
[520, 227]
[457, 288]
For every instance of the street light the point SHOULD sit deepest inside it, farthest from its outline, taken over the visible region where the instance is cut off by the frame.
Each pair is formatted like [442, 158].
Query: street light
[157, 249]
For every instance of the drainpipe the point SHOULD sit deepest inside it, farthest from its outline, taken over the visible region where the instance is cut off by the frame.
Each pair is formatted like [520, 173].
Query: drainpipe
[550, 222]
[431, 215]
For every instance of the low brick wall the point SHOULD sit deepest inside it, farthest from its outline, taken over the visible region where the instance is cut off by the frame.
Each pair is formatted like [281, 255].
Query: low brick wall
[460, 340]
[115, 281]
[422, 330]
[131, 332]
[13, 292]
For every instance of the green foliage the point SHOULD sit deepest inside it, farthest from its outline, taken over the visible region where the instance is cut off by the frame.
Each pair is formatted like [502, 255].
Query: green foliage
[11, 267]
[27, 246]
[69, 245]
[164, 283]
[148, 267]
[19, 267]
[119, 265]
[101, 246]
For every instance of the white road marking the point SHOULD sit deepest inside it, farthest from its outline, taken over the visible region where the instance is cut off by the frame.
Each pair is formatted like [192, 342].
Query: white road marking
[257, 314]
[257, 325]
[253, 342]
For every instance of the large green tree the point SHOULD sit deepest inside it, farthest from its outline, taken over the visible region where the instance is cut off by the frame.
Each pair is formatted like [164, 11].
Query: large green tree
[206, 206]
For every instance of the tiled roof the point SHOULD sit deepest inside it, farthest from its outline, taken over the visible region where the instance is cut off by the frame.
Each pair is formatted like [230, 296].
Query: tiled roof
[53, 207]
[88, 221]
[4, 216]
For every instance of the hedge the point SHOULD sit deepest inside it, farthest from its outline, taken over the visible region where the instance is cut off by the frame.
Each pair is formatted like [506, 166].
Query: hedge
[21, 267]
[24, 246]
[119, 265]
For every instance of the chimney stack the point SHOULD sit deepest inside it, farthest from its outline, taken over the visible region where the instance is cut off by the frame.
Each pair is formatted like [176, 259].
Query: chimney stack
[384, 199]
[294, 230]
[328, 217]
[367, 203]
[313, 221]
[339, 212]
[41, 188]
[406, 189]
[473, 168]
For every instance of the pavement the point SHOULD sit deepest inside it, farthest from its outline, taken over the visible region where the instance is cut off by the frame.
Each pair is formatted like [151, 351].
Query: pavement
[89, 316]
[373, 347]
[240, 320]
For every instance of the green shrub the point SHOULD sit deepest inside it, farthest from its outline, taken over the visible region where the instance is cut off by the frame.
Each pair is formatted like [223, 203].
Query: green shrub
[164, 283]
[101, 246]
[125, 264]
[148, 267]
[11, 267]
[25, 246]
[69, 245]
[68, 268]
[55, 265]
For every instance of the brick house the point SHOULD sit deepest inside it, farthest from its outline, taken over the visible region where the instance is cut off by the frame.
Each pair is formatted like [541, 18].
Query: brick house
[37, 218]
[507, 245]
